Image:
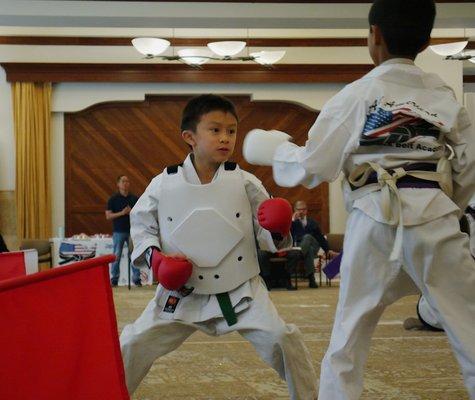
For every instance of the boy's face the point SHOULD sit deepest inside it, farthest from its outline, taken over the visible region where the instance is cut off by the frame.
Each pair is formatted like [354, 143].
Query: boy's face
[215, 137]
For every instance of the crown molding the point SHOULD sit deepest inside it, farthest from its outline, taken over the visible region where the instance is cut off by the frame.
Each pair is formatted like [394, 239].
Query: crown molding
[180, 73]
[251, 42]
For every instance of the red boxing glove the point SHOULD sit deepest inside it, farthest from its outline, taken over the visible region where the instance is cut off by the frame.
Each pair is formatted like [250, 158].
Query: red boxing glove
[275, 215]
[171, 272]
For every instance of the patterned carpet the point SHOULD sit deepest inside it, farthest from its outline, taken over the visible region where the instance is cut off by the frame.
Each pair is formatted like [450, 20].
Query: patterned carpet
[402, 365]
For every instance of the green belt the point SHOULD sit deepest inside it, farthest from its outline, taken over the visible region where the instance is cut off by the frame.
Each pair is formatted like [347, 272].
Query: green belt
[226, 308]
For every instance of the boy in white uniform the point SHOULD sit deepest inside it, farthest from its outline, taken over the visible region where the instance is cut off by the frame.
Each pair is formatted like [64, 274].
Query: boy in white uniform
[428, 319]
[470, 215]
[407, 151]
[204, 210]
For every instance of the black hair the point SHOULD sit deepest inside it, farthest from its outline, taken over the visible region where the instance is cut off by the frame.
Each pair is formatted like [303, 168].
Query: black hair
[119, 177]
[201, 105]
[405, 24]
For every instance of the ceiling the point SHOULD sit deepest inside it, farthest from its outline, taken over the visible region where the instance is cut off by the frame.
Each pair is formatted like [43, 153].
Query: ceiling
[152, 14]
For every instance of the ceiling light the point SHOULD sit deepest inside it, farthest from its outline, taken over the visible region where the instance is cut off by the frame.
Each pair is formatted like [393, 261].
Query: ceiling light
[449, 49]
[226, 49]
[268, 57]
[150, 47]
[220, 51]
[195, 56]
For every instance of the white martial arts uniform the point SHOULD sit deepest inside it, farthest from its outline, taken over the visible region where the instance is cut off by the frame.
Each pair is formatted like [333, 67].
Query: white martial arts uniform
[471, 227]
[428, 316]
[381, 119]
[424, 311]
[165, 323]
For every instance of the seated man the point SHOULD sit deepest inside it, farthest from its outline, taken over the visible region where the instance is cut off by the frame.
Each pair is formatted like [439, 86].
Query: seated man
[307, 235]
[271, 278]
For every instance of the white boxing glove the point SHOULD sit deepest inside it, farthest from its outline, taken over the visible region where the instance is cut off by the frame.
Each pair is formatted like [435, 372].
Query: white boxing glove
[259, 145]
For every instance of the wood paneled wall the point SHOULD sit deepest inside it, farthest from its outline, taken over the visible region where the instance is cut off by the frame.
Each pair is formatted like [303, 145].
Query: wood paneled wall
[140, 139]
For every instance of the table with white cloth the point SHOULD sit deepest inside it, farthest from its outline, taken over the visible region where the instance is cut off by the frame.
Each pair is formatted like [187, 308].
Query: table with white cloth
[98, 246]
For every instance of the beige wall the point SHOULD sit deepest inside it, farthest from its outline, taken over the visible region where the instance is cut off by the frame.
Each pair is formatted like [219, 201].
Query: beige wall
[8, 218]
[76, 96]
[7, 143]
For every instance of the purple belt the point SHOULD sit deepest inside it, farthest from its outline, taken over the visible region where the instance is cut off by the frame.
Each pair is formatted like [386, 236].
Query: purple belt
[408, 181]
[421, 184]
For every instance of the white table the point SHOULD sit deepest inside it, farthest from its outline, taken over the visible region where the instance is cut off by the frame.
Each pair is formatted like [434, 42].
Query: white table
[102, 246]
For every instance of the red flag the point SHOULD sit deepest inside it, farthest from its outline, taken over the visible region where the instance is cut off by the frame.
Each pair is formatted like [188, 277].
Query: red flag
[18, 263]
[12, 265]
[58, 335]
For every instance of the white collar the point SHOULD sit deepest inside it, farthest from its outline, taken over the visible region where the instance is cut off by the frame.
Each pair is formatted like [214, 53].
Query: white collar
[190, 174]
[388, 65]
[391, 61]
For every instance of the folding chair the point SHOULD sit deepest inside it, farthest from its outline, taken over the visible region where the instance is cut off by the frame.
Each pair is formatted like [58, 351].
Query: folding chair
[281, 260]
[42, 246]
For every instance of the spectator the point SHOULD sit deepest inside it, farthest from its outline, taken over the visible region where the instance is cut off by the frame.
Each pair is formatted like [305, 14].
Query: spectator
[307, 235]
[118, 209]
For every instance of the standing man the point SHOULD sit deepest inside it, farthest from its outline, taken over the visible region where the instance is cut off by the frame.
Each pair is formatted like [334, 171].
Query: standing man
[308, 236]
[118, 209]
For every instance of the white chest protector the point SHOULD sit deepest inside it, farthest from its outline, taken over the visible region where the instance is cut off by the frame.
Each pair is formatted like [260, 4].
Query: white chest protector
[212, 225]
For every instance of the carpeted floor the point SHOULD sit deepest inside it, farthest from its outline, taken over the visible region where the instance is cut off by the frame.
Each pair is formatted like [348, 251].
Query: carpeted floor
[402, 365]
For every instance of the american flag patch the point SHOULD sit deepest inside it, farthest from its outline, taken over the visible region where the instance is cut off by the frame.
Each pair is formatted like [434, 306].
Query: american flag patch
[71, 249]
[382, 122]
[397, 126]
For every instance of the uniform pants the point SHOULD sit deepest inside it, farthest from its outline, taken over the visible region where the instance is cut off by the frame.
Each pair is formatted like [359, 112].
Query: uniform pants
[427, 315]
[280, 345]
[309, 249]
[435, 259]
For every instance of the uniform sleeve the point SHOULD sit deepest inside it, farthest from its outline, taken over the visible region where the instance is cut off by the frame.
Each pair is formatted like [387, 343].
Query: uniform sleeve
[462, 140]
[331, 139]
[144, 227]
[257, 194]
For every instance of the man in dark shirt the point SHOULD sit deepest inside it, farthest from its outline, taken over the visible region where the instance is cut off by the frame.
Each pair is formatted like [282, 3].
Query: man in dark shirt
[118, 209]
[307, 235]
